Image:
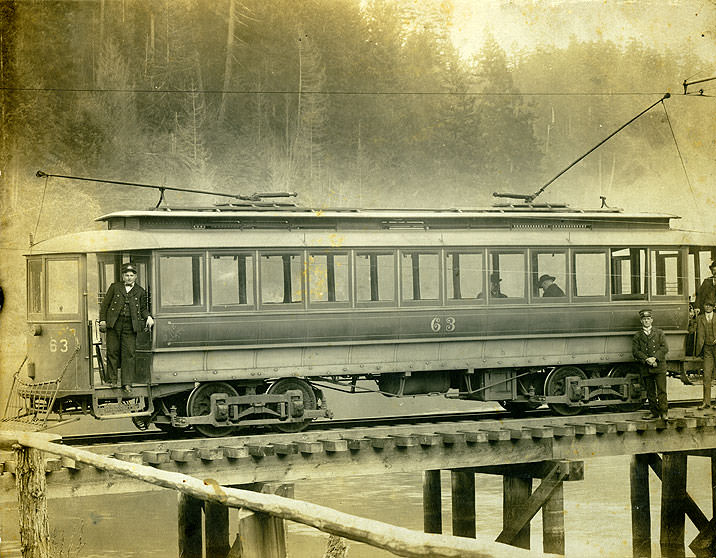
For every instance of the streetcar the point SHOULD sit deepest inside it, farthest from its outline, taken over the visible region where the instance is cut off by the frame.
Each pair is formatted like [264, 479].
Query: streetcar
[261, 308]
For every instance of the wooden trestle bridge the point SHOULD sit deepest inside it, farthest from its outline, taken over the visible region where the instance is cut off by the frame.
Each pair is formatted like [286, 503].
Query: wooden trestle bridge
[254, 472]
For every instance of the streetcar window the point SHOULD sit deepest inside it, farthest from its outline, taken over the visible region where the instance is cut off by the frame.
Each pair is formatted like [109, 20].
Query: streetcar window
[328, 277]
[554, 265]
[232, 280]
[507, 276]
[63, 287]
[281, 279]
[375, 277]
[181, 280]
[666, 277]
[590, 274]
[629, 273]
[420, 273]
[34, 287]
[464, 273]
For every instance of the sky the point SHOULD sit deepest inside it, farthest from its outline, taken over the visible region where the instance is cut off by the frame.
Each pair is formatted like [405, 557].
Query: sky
[678, 25]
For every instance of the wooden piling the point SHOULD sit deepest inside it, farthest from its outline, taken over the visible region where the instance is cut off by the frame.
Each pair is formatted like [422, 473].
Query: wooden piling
[673, 495]
[463, 503]
[516, 492]
[216, 529]
[32, 503]
[640, 510]
[713, 484]
[432, 503]
[190, 531]
[553, 522]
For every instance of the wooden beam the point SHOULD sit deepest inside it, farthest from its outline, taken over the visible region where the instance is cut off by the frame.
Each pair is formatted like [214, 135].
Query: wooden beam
[553, 522]
[673, 495]
[32, 503]
[693, 511]
[538, 470]
[640, 506]
[432, 502]
[216, 530]
[704, 545]
[713, 484]
[532, 506]
[515, 495]
[463, 503]
[398, 540]
[190, 531]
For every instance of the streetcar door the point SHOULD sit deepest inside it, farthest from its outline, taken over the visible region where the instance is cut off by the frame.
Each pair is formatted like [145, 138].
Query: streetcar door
[110, 266]
[143, 356]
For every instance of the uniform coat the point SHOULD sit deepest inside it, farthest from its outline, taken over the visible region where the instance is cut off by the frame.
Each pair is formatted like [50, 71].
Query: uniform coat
[121, 331]
[114, 301]
[644, 346]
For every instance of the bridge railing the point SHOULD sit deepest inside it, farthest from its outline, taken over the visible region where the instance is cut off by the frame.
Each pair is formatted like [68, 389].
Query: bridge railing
[34, 530]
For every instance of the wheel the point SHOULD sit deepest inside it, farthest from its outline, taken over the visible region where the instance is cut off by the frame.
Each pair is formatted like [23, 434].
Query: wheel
[309, 400]
[198, 405]
[556, 383]
[620, 371]
[519, 408]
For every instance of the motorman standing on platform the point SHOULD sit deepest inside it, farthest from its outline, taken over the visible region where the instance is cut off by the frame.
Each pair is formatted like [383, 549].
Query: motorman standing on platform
[707, 290]
[706, 342]
[649, 347]
[123, 306]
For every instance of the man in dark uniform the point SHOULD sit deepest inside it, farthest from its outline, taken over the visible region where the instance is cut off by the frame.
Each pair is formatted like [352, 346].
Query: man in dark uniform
[548, 286]
[706, 342]
[123, 311]
[707, 290]
[649, 348]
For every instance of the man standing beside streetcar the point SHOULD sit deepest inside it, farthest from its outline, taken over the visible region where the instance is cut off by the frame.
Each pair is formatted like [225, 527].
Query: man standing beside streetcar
[706, 342]
[649, 348]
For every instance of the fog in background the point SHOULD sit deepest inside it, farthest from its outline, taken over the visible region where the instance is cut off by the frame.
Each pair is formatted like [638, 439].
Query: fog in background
[383, 103]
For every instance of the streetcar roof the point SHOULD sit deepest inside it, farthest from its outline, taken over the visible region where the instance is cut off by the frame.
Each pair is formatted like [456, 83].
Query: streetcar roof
[128, 240]
[542, 212]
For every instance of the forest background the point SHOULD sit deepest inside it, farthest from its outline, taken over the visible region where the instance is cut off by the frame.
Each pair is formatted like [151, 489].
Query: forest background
[347, 102]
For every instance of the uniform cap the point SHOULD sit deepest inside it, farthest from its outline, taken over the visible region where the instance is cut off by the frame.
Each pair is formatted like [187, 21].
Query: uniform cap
[709, 301]
[544, 278]
[129, 267]
[646, 313]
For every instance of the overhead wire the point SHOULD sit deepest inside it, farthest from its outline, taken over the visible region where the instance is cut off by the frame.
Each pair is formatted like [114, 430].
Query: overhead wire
[329, 93]
[39, 213]
[681, 157]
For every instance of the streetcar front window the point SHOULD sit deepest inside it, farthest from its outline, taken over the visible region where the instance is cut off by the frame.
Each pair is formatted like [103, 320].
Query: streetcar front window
[34, 287]
[63, 287]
